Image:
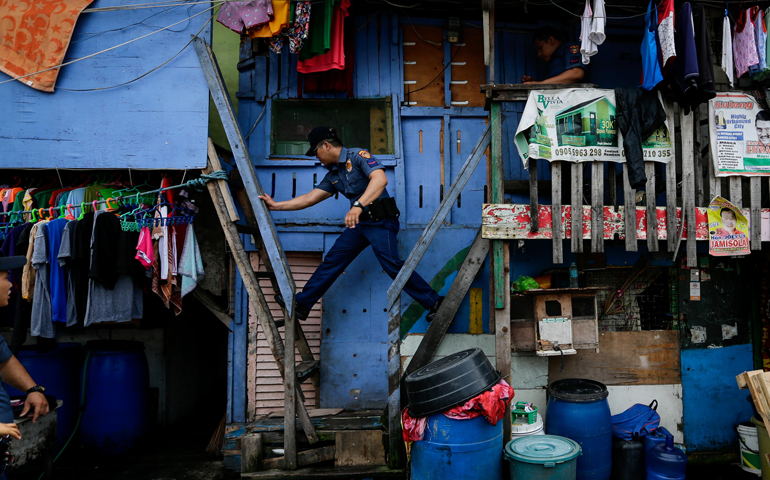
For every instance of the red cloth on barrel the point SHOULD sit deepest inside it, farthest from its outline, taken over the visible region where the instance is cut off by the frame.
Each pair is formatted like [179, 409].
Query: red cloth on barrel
[491, 404]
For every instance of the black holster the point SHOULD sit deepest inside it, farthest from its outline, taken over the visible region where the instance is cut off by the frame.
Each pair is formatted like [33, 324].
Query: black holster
[381, 209]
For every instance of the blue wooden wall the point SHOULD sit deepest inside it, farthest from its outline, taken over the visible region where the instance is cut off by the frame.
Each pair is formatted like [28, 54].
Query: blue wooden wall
[157, 122]
[354, 344]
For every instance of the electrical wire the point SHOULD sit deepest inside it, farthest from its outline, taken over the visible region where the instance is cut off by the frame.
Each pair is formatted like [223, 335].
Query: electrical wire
[436, 78]
[139, 6]
[606, 17]
[131, 25]
[111, 48]
[192, 38]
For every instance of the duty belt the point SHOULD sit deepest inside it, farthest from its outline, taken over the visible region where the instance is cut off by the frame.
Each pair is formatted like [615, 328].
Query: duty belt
[380, 209]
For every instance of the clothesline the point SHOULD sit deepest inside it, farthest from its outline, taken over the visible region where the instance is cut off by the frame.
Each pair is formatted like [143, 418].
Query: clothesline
[197, 184]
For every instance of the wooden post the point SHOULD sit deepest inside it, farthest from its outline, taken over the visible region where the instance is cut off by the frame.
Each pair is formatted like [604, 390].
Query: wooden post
[289, 381]
[503, 337]
[671, 230]
[497, 264]
[688, 185]
[755, 224]
[396, 449]
[629, 203]
[597, 207]
[652, 211]
[251, 452]
[558, 233]
[534, 210]
[736, 192]
[577, 208]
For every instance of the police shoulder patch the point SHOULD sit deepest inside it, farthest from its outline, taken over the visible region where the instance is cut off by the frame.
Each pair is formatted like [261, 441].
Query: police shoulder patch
[573, 49]
[365, 154]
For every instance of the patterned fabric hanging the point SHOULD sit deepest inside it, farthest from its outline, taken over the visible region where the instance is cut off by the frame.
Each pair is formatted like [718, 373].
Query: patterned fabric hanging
[296, 33]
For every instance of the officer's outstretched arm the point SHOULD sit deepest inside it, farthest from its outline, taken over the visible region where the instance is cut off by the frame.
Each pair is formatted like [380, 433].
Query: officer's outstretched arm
[303, 201]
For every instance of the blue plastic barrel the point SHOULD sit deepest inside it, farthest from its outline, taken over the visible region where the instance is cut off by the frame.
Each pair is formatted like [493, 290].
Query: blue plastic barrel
[116, 401]
[578, 410]
[59, 371]
[458, 449]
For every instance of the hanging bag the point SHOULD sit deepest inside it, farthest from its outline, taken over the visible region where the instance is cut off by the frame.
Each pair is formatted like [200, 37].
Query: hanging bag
[651, 74]
[637, 421]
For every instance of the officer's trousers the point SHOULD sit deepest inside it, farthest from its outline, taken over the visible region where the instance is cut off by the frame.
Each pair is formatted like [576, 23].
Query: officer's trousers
[381, 235]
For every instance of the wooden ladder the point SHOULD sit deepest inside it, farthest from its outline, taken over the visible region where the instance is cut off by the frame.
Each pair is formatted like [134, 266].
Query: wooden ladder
[473, 262]
[261, 225]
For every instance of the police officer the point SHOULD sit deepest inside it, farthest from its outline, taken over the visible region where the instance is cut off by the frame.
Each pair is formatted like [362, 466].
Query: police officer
[562, 58]
[371, 220]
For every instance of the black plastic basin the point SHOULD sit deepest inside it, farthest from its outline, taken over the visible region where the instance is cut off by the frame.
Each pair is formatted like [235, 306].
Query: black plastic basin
[449, 382]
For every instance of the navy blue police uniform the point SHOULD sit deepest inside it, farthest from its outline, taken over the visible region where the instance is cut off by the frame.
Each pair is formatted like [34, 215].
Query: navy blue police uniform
[350, 177]
[566, 56]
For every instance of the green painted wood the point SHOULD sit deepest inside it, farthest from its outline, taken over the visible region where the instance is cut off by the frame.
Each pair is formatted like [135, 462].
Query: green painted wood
[496, 196]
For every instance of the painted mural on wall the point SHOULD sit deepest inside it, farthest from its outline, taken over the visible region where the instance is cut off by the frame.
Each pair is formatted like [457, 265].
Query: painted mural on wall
[728, 229]
[740, 135]
[579, 125]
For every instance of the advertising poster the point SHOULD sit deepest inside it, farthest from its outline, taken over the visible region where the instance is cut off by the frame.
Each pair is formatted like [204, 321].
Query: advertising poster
[740, 135]
[578, 125]
[728, 229]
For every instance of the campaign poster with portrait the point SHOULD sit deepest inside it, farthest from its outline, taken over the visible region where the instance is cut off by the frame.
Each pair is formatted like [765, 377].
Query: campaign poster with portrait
[728, 229]
[579, 125]
[739, 130]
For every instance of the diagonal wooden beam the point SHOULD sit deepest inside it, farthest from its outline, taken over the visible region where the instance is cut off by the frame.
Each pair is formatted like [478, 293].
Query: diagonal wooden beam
[471, 266]
[257, 299]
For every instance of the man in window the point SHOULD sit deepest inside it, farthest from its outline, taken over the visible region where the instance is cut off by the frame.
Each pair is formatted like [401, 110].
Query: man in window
[562, 58]
[371, 220]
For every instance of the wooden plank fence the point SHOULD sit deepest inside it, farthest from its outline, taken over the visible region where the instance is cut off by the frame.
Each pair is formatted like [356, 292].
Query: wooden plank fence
[688, 180]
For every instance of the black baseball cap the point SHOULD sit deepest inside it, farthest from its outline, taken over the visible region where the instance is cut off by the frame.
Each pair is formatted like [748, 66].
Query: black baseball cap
[11, 263]
[318, 135]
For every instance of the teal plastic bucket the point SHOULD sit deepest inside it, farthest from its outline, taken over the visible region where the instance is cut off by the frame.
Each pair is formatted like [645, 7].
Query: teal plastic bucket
[544, 457]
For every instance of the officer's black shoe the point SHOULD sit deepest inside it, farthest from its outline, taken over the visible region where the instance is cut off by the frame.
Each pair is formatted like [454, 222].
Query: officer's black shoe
[302, 311]
[433, 310]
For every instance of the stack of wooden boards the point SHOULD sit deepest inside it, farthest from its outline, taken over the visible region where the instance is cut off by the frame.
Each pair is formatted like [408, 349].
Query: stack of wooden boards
[758, 383]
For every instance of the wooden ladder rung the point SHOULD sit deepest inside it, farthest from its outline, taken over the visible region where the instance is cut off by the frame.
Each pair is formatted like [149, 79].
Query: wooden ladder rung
[305, 370]
[247, 229]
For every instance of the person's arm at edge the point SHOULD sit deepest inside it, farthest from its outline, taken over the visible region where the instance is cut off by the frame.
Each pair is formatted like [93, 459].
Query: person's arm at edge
[572, 75]
[15, 375]
[299, 203]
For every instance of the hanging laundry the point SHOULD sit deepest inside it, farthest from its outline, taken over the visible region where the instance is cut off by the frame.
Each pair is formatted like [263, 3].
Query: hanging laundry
[41, 324]
[297, 31]
[56, 278]
[81, 263]
[335, 57]
[598, 23]
[280, 20]
[587, 46]
[124, 301]
[335, 81]
[744, 44]
[685, 75]
[767, 44]
[191, 263]
[65, 256]
[706, 85]
[666, 33]
[239, 16]
[651, 74]
[144, 249]
[639, 114]
[760, 71]
[727, 50]
[35, 38]
[318, 41]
